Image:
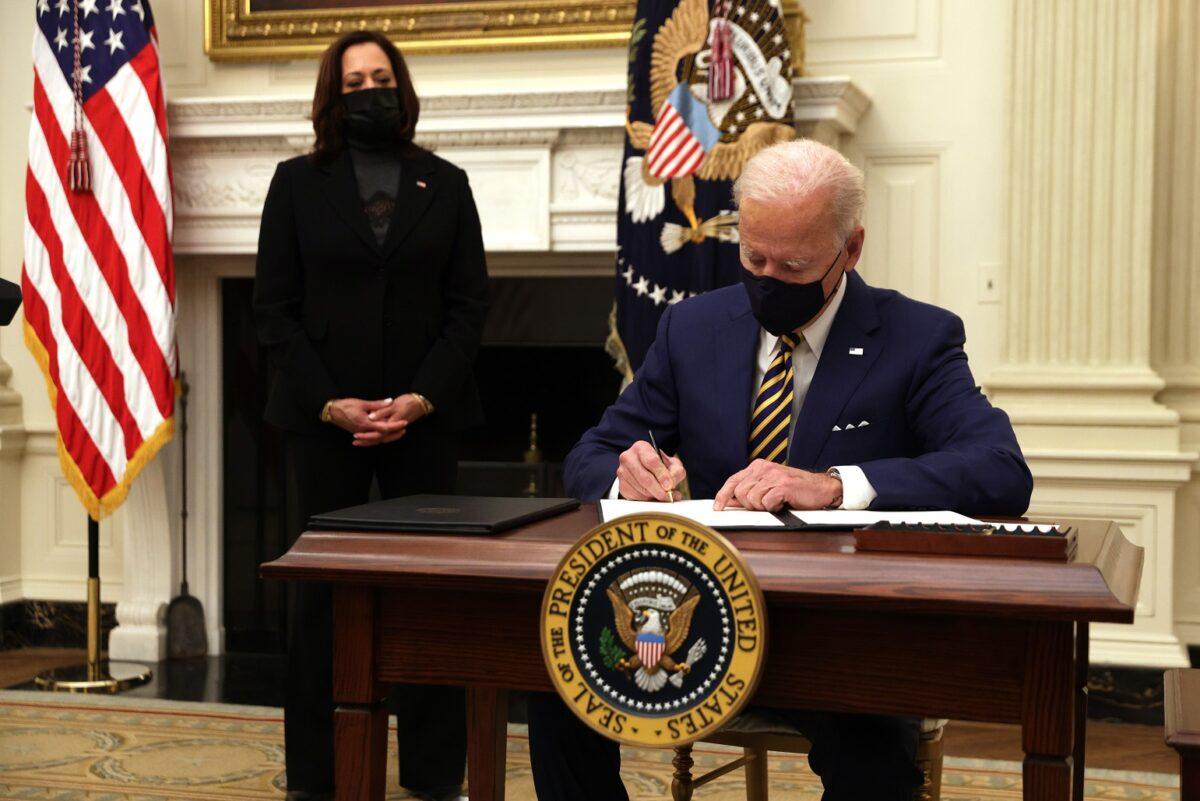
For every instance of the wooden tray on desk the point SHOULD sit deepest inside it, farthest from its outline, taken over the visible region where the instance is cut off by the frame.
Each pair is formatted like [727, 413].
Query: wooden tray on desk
[952, 541]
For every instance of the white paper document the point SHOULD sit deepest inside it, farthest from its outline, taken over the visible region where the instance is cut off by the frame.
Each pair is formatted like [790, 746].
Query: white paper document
[852, 519]
[697, 511]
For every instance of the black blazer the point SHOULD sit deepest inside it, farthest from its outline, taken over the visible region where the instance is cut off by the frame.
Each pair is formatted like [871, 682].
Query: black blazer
[345, 317]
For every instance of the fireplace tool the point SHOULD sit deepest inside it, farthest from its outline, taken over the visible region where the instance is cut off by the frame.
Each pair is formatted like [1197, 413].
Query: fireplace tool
[186, 635]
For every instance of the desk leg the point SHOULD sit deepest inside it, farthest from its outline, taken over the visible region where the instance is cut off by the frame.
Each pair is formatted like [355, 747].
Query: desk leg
[360, 752]
[360, 721]
[1048, 712]
[1081, 708]
[487, 742]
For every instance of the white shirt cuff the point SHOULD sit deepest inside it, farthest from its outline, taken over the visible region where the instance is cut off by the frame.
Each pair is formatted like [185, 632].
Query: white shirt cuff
[615, 492]
[857, 492]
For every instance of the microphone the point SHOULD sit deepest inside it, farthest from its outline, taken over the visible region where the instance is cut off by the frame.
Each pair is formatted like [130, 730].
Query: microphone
[10, 301]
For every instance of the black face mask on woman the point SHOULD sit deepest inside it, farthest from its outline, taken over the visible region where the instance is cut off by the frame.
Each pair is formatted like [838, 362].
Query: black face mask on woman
[781, 307]
[373, 117]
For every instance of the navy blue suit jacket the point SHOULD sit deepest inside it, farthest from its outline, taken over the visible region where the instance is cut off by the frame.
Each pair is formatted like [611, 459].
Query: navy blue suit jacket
[934, 441]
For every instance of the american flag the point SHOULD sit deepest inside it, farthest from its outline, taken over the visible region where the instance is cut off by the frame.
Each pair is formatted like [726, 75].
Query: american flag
[682, 135]
[99, 276]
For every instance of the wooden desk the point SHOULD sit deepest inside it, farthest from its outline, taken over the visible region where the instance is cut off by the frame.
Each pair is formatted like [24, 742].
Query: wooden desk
[1000, 640]
[1181, 705]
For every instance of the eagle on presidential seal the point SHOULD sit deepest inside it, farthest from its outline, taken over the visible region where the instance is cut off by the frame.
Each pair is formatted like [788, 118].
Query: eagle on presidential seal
[652, 610]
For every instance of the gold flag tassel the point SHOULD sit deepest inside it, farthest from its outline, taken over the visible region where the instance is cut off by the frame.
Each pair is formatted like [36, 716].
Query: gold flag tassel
[79, 170]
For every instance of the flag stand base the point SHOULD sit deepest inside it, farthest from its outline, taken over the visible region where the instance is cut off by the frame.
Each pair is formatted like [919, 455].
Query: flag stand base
[96, 675]
[105, 678]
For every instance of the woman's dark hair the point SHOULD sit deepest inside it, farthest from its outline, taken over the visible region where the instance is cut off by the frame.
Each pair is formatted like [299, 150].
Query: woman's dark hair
[327, 109]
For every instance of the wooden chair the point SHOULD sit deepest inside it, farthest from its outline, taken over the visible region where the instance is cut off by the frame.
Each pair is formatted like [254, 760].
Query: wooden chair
[756, 739]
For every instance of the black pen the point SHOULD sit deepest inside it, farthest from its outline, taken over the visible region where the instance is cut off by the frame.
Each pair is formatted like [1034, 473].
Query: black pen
[658, 450]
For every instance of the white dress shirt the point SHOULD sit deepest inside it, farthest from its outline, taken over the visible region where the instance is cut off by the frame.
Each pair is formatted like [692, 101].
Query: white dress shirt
[857, 492]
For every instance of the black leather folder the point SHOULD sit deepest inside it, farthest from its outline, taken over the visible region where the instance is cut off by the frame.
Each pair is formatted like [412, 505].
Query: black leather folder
[443, 514]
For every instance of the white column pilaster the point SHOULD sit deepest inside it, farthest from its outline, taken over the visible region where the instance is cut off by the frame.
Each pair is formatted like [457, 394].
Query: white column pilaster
[12, 447]
[149, 566]
[1077, 376]
[1175, 335]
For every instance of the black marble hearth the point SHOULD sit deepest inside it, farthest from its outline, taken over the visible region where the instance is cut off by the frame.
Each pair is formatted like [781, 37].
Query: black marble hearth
[50, 624]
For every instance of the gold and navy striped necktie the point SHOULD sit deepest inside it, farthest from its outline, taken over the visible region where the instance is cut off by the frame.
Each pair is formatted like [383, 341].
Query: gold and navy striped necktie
[772, 416]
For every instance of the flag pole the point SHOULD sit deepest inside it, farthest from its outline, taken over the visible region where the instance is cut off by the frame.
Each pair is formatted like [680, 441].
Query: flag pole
[96, 675]
[93, 600]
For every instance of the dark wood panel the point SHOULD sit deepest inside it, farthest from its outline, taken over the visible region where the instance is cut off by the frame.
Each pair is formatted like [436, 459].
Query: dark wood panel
[936, 666]
[422, 631]
[924, 665]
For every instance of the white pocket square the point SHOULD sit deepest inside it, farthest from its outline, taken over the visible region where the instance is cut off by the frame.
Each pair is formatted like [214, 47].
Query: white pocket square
[852, 426]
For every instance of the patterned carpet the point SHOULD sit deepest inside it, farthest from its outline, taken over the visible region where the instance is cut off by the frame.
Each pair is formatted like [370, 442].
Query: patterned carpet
[80, 748]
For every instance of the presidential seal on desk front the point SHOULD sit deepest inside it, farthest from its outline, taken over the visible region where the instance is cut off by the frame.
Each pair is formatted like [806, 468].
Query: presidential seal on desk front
[654, 630]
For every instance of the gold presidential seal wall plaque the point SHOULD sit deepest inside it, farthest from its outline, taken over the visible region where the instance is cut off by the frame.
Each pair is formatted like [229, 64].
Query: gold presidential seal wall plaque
[654, 630]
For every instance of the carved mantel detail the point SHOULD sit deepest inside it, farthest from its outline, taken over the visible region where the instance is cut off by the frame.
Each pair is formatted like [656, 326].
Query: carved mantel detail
[560, 152]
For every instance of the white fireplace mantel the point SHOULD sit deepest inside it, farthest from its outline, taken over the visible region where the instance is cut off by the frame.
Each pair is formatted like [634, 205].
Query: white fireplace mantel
[544, 168]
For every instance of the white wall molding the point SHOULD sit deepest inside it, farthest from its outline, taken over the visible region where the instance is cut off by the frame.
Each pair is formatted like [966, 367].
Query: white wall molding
[1175, 335]
[545, 166]
[1139, 496]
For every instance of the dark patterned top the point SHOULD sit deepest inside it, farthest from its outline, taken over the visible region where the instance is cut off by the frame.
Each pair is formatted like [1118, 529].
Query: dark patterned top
[378, 175]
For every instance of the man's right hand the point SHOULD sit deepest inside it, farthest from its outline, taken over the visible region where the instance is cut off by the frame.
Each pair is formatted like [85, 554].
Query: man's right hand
[642, 476]
[353, 415]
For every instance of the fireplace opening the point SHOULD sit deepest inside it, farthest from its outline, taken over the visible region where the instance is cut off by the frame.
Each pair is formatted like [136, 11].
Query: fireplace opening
[543, 377]
[542, 354]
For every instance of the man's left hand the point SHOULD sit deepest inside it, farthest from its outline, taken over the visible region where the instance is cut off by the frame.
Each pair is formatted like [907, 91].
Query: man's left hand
[407, 407]
[768, 486]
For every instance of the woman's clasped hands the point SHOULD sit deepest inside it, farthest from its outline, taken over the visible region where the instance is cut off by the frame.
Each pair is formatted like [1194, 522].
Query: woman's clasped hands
[376, 422]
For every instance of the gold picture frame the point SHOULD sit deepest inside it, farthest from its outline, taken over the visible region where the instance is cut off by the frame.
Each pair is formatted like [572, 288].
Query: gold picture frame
[234, 30]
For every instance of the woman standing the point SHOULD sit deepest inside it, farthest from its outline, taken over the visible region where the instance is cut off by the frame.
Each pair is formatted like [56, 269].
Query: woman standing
[370, 294]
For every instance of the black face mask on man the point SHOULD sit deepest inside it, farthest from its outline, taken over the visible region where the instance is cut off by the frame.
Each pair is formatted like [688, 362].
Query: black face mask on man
[781, 307]
[373, 117]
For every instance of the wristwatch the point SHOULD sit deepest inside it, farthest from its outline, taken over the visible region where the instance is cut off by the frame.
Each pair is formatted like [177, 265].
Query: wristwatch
[327, 412]
[837, 502]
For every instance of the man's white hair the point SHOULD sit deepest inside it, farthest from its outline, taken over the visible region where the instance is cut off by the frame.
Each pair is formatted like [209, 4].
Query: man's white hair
[791, 171]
